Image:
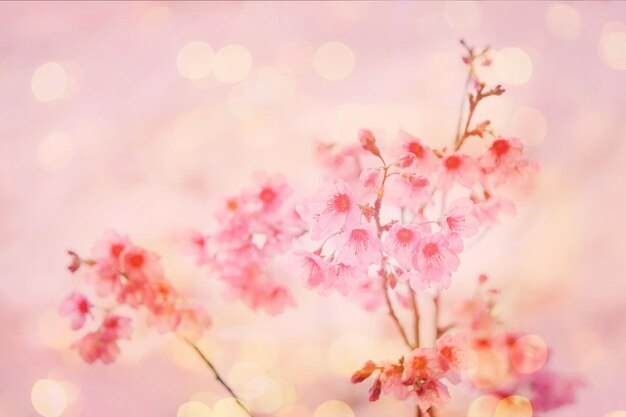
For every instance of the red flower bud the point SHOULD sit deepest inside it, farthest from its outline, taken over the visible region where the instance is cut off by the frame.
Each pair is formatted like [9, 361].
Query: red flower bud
[363, 373]
[375, 390]
[368, 142]
[75, 263]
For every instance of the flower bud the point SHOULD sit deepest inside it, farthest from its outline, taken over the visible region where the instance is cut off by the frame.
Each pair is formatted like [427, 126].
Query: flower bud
[363, 373]
[368, 141]
[375, 391]
[75, 263]
[369, 177]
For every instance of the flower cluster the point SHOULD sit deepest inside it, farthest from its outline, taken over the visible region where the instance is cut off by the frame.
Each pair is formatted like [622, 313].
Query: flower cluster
[514, 364]
[125, 276]
[253, 228]
[420, 377]
[364, 235]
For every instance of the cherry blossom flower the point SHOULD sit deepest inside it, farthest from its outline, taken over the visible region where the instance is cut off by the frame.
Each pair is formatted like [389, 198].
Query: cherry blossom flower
[457, 168]
[344, 278]
[405, 160]
[409, 191]
[422, 364]
[458, 222]
[116, 327]
[97, 346]
[335, 209]
[191, 321]
[195, 244]
[431, 393]
[454, 356]
[402, 241]
[426, 161]
[77, 307]
[434, 261]
[314, 270]
[359, 246]
[504, 163]
[270, 193]
[141, 265]
[487, 211]
[110, 246]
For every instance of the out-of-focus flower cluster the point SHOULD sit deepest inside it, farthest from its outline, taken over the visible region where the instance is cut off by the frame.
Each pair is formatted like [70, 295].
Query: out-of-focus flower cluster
[253, 228]
[420, 376]
[512, 363]
[125, 277]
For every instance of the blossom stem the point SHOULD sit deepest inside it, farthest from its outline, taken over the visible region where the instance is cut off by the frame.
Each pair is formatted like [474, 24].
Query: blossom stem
[218, 376]
[416, 316]
[393, 315]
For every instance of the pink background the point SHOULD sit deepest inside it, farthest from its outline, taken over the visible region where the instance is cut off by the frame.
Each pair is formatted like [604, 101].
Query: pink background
[146, 151]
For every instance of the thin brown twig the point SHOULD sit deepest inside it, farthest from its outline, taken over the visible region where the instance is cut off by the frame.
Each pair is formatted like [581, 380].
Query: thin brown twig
[416, 316]
[218, 376]
[393, 315]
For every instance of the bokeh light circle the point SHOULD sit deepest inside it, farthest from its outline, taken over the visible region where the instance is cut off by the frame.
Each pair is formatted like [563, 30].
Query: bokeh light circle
[612, 48]
[514, 406]
[49, 398]
[195, 60]
[229, 407]
[194, 409]
[49, 82]
[529, 354]
[334, 61]
[334, 408]
[232, 64]
[483, 406]
[513, 66]
[563, 21]
[264, 394]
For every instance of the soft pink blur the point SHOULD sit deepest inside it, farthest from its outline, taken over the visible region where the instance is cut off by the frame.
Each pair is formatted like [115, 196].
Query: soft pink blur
[128, 142]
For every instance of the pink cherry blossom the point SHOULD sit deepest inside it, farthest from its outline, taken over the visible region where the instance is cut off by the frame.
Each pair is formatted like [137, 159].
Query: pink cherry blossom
[116, 327]
[314, 270]
[454, 356]
[141, 265]
[431, 393]
[359, 246]
[194, 243]
[110, 246]
[270, 193]
[457, 168]
[333, 210]
[405, 160]
[504, 163]
[191, 321]
[458, 222]
[278, 298]
[77, 307]
[422, 364]
[402, 241]
[344, 278]
[97, 346]
[409, 190]
[434, 262]
[487, 211]
[369, 178]
[366, 293]
[426, 161]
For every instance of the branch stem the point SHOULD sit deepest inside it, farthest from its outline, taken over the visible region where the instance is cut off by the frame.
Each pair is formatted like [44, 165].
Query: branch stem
[218, 376]
[393, 315]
